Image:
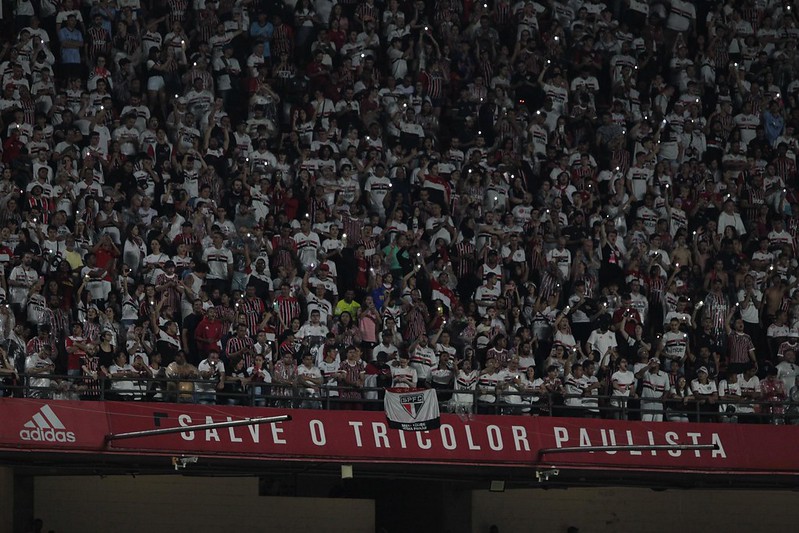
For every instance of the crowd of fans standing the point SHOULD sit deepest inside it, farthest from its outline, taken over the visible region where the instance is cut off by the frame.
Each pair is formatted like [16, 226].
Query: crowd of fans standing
[513, 197]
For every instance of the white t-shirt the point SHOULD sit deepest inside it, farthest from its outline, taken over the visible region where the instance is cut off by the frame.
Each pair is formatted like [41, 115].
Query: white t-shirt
[602, 342]
[210, 385]
[403, 377]
[123, 386]
[654, 386]
[218, 260]
[625, 380]
[312, 373]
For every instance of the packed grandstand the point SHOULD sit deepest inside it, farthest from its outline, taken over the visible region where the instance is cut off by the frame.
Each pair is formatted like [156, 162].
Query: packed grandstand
[532, 207]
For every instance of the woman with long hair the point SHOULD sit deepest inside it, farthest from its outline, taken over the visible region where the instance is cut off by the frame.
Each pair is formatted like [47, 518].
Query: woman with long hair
[91, 324]
[346, 331]
[134, 249]
[106, 349]
[680, 397]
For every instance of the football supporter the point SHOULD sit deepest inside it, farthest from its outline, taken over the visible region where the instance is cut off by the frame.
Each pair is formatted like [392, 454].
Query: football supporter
[498, 179]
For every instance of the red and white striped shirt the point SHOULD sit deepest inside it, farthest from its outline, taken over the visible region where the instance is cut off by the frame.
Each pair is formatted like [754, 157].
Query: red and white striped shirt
[740, 344]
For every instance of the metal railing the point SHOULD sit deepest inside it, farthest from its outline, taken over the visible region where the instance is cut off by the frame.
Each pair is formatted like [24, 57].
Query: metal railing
[477, 401]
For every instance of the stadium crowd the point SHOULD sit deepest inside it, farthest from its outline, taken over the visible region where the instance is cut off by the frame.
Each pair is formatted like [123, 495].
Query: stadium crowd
[528, 200]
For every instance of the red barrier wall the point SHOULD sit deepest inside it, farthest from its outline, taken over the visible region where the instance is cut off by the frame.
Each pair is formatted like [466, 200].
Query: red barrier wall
[353, 436]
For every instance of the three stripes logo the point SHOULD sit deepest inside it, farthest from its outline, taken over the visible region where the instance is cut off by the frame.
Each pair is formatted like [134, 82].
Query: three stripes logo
[45, 426]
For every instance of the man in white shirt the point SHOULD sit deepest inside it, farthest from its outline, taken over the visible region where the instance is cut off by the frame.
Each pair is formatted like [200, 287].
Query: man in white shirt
[119, 372]
[220, 263]
[423, 359]
[561, 257]
[623, 383]
[212, 370]
[308, 244]
[127, 135]
[655, 384]
[37, 365]
[386, 347]
[309, 378]
[729, 217]
[682, 16]
[377, 188]
[787, 370]
[20, 281]
[602, 342]
[312, 334]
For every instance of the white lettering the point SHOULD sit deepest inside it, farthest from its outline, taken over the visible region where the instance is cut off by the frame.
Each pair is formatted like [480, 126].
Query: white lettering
[379, 431]
[232, 431]
[317, 432]
[720, 451]
[255, 432]
[403, 444]
[674, 440]
[426, 444]
[183, 421]
[584, 439]
[277, 430]
[608, 441]
[356, 426]
[211, 434]
[561, 436]
[695, 440]
[630, 442]
[469, 438]
[652, 441]
[447, 437]
[520, 438]
[494, 438]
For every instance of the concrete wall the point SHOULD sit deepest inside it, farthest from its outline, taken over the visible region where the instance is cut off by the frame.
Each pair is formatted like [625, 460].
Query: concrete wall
[6, 500]
[125, 504]
[606, 510]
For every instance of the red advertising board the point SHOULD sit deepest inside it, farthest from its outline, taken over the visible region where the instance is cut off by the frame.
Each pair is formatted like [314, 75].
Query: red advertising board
[356, 436]
[28, 423]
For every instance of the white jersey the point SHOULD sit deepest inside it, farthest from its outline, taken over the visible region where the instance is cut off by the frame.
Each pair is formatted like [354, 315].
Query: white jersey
[309, 373]
[465, 382]
[787, 372]
[307, 247]
[486, 297]
[654, 385]
[423, 360]
[403, 377]
[378, 188]
[747, 125]
[729, 389]
[625, 381]
[330, 373]
[675, 345]
[218, 260]
[209, 386]
[562, 258]
[748, 387]
[681, 15]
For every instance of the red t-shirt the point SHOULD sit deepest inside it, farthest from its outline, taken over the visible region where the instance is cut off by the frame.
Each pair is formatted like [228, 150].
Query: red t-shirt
[104, 258]
[212, 330]
[73, 361]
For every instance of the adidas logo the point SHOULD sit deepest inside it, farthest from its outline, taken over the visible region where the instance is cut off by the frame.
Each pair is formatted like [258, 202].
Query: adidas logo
[45, 426]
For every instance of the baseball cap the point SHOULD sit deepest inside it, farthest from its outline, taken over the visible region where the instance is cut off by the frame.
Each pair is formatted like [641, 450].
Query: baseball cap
[325, 267]
[702, 369]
